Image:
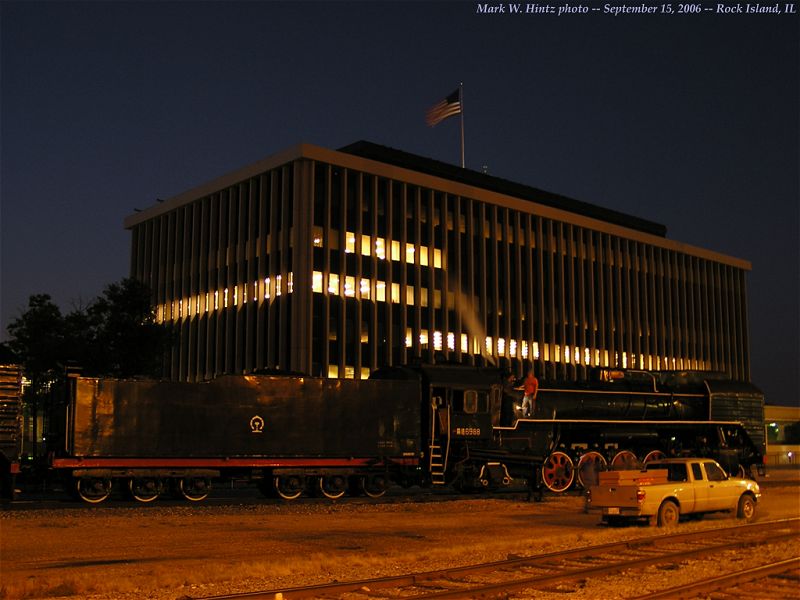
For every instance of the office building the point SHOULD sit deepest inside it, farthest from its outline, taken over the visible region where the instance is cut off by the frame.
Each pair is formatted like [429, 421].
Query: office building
[334, 263]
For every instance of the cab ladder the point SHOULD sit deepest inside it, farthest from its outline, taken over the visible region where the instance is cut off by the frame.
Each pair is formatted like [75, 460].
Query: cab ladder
[437, 465]
[437, 455]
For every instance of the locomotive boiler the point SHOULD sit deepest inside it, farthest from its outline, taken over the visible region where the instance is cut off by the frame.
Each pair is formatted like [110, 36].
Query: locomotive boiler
[429, 425]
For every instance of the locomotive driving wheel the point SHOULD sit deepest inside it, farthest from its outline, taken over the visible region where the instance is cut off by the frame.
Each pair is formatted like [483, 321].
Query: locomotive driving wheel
[332, 486]
[558, 472]
[93, 489]
[653, 455]
[589, 465]
[625, 459]
[145, 489]
[194, 489]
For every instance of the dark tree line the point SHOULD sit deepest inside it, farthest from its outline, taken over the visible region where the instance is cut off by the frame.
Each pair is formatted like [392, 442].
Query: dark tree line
[114, 335]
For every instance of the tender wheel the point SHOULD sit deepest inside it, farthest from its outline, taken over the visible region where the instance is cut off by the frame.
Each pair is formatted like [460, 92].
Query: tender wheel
[374, 486]
[625, 459]
[332, 486]
[289, 487]
[747, 508]
[653, 455]
[194, 489]
[668, 514]
[557, 472]
[145, 489]
[93, 489]
[589, 466]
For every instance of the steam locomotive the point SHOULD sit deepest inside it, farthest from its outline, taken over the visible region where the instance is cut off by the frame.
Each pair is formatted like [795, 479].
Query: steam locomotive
[428, 425]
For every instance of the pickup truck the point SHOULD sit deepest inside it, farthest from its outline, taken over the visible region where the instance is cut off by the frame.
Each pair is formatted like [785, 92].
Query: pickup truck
[670, 488]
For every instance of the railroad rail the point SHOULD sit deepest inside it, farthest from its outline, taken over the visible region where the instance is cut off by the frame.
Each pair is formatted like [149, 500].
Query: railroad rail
[544, 571]
[775, 580]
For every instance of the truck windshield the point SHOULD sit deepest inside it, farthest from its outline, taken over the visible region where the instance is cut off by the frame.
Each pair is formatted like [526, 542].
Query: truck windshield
[674, 472]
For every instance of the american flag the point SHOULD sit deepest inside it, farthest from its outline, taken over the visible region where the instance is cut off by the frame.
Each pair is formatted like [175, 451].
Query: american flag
[446, 108]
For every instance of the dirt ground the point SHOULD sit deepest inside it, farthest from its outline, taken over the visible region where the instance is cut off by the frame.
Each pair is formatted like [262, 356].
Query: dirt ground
[238, 543]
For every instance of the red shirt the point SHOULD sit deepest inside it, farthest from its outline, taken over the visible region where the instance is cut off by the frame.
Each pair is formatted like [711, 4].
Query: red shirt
[531, 385]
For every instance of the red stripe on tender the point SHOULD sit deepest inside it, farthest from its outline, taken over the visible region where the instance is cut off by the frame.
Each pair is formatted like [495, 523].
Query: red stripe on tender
[221, 463]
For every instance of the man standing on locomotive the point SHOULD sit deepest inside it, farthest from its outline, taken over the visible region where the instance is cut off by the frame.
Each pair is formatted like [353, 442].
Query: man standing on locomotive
[531, 387]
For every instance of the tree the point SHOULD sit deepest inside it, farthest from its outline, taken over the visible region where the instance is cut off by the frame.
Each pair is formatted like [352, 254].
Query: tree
[127, 340]
[37, 338]
[115, 335]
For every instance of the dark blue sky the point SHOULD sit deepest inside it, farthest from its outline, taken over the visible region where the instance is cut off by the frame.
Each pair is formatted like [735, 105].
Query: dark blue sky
[687, 120]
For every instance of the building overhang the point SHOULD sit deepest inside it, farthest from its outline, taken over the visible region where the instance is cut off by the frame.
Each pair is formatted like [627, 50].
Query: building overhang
[641, 230]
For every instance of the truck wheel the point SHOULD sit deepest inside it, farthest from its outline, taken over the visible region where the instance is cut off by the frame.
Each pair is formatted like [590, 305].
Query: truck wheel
[668, 514]
[747, 508]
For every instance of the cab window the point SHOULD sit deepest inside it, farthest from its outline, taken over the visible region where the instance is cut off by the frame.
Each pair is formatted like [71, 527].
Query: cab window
[674, 472]
[697, 472]
[470, 402]
[714, 472]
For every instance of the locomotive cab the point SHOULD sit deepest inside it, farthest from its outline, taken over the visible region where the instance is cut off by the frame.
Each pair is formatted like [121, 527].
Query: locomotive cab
[460, 407]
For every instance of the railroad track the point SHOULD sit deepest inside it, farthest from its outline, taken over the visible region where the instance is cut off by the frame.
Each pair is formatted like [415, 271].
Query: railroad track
[779, 579]
[529, 575]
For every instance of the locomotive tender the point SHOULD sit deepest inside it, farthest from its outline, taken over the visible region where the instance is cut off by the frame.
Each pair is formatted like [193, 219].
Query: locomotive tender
[432, 425]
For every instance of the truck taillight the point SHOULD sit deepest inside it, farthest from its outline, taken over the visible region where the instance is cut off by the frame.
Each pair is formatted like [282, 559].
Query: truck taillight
[640, 496]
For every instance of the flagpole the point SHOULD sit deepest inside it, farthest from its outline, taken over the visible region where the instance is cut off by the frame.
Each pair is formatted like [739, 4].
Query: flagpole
[461, 94]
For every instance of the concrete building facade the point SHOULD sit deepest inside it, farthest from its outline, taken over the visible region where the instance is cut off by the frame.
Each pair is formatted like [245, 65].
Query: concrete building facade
[335, 263]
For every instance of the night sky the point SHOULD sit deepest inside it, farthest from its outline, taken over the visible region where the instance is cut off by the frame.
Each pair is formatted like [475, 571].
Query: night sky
[690, 120]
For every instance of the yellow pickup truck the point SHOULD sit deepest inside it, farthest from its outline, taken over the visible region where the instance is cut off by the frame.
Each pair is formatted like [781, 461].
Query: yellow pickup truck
[670, 488]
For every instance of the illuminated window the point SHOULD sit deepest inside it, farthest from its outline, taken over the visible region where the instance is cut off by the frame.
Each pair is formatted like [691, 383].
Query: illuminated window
[290, 282]
[501, 346]
[437, 340]
[512, 348]
[366, 245]
[278, 285]
[380, 248]
[365, 289]
[316, 282]
[350, 286]
[333, 283]
[437, 258]
[524, 349]
[451, 341]
[266, 288]
[395, 250]
[464, 342]
[350, 243]
[380, 291]
[396, 293]
[225, 298]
